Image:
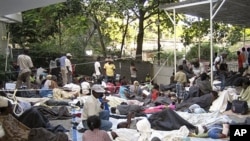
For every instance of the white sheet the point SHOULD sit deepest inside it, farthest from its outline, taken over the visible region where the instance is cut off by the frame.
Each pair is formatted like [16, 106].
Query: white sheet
[205, 118]
[220, 104]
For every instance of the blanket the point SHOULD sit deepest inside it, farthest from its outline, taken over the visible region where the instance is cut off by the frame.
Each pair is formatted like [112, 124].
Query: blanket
[168, 120]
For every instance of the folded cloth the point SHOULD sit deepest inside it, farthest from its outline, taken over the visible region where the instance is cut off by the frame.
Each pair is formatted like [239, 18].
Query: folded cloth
[3, 101]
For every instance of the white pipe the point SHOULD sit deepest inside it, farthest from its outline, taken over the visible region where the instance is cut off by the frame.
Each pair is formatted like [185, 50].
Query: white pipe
[211, 41]
[217, 10]
[174, 43]
[7, 52]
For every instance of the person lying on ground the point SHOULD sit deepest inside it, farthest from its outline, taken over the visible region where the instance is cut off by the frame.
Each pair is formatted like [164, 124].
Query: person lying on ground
[215, 131]
[125, 109]
[204, 101]
[130, 122]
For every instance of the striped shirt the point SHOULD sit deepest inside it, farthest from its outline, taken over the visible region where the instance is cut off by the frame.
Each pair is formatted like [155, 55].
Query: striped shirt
[95, 135]
[24, 62]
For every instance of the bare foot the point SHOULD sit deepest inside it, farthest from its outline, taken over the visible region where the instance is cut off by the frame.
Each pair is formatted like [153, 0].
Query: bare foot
[225, 129]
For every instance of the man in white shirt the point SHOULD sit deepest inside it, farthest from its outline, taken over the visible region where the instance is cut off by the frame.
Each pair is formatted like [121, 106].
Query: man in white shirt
[220, 67]
[25, 65]
[63, 69]
[85, 86]
[93, 106]
[98, 71]
[69, 69]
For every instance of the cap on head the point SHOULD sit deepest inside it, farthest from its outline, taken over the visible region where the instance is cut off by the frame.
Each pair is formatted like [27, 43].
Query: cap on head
[49, 77]
[98, 88]
[68, 54]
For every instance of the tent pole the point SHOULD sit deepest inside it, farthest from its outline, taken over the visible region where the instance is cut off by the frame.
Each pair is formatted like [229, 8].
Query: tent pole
[174, 42]
[199, 50]
[174, 23]
[211, 41]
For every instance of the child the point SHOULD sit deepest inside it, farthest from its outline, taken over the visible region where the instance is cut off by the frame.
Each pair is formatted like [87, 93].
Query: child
[155, 92]
[181, 80]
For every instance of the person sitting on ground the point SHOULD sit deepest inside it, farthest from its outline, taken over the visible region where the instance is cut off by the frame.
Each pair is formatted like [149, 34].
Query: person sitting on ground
[85, 86]
[48, 86]
[147, 78]
[155, 92]
[204, 84]
[93, 106]
[246, 73]
[245, 92]
[197, 67]
[201, 86]
[124, 92]
[135, 88]
[56, 92]
[95, 133]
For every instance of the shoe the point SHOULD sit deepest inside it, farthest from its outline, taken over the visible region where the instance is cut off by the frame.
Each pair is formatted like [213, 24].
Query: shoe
[82, 130]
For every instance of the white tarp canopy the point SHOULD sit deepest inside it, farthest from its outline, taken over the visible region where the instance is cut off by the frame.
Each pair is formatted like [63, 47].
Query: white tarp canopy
[233, 12]
[9, 8]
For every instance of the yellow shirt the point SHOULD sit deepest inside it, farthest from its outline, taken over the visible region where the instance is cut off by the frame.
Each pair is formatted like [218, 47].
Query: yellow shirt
[180, 77]
[109, 69]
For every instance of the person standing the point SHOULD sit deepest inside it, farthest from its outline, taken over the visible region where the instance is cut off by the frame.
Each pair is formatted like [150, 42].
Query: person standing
[69, 69]
[25, 65]
[133, 71]
[248, 59]
[110, 71]
[63, 69]
[240, 62]
[98, 71]
[181, 80]
[245, 53]
[220, 68]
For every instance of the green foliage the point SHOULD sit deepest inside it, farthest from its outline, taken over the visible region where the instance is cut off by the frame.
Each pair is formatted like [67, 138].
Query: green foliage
[204, 50]
[199, 30]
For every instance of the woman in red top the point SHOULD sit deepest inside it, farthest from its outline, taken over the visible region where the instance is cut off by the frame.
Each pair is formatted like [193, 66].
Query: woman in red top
[155, 92]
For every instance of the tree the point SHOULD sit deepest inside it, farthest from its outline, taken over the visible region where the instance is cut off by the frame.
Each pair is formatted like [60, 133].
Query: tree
[195, 31]
[41, 24]
[144, 9]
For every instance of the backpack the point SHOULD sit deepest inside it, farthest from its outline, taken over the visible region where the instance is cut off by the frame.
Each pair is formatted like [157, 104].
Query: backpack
[239, 106]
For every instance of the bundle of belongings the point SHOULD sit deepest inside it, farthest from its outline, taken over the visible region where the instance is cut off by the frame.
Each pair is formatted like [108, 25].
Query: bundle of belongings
[23, 121]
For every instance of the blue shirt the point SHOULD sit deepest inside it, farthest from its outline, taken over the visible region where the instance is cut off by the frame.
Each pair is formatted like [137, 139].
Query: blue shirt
[122, 91]
[62, 61]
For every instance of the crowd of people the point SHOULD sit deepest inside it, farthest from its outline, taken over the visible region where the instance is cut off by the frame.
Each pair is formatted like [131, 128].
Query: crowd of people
[139, 99]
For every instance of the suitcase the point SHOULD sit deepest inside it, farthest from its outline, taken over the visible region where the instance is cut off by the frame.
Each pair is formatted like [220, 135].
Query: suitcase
[239, 106]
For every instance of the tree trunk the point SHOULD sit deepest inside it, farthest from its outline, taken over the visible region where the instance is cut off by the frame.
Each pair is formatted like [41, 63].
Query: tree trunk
[140, 37]
[100, 37]
[124, 36]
